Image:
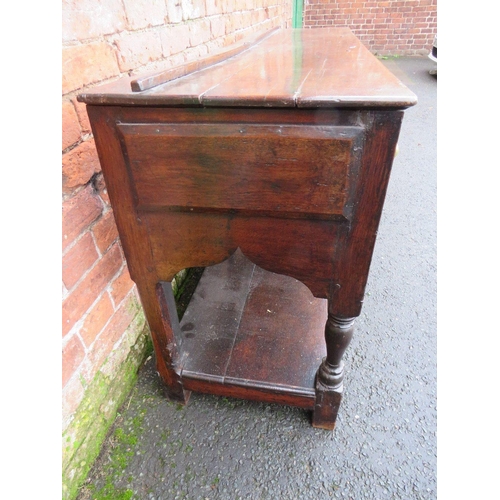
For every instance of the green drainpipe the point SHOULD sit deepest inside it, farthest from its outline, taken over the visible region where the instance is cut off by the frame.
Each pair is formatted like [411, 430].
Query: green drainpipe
[297, 13]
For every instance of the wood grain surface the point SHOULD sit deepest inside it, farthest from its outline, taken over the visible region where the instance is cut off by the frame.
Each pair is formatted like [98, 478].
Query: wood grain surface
[325, 67]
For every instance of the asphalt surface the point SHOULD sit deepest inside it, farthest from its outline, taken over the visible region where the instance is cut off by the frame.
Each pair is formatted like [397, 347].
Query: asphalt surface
[384, 445]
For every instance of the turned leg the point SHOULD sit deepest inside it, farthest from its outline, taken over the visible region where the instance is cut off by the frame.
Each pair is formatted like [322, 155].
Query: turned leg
[329, 386]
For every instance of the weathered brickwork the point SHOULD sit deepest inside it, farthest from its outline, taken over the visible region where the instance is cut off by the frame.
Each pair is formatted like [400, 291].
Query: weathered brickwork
[390, 27]
[103, 40]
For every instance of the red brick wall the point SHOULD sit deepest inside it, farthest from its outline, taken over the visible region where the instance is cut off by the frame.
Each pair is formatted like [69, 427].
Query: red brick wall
[103, 39]
[390, 27]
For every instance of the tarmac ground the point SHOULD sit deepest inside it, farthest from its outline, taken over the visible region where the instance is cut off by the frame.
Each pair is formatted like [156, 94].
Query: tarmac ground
[384, 444]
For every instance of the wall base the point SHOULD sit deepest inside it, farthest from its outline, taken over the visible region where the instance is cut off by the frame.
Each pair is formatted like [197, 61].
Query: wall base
[84, 436]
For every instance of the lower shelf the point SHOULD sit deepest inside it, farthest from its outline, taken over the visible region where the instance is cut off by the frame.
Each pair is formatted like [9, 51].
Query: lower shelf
[252, 334]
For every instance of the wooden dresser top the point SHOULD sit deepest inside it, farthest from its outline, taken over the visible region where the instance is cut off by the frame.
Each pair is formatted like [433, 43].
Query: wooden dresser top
[305, 68]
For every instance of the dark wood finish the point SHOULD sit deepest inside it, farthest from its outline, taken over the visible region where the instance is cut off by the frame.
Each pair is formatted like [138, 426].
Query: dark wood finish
[330, 377]
[272, 166]
[238, 310]
[306, 68]
[241, 167]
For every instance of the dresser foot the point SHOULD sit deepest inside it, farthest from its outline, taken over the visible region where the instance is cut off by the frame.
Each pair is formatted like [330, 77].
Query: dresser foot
[326, 407]
[176, 394]
[329, 379]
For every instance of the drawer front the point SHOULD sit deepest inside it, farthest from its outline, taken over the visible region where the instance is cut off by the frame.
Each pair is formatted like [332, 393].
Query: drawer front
[284, 171]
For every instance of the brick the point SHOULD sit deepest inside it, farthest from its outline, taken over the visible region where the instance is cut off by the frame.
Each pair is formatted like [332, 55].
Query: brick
[121, 286]
[135, 291]
[174, 11]
[228, 6]
[195, 53]
[119, 323]
[78, 260]
[86, 64]
[97, 318]
[246, 19]
[72, 356]
[274, 11]
[192, 9]
[138, 49]
[105, 231]
[228, 40]
[113, 331]
[199, 32]
[145, 13]
[174, 39]
[234, 22]
[100, 187]
[425, 4]
[217, 27]
[71, 132]
[258, 16]
[239, 35]
[88, 290]
[78, 213]
[71, 398]
[83, 117]
[79, 165]
[87, 19]
[212, 7]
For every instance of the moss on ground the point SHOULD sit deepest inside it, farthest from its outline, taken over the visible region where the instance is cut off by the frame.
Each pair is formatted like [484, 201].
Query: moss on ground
[122, 452]
[83, 438]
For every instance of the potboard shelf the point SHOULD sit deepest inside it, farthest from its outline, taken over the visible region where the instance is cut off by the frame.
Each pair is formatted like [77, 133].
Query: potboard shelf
[250, 330]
